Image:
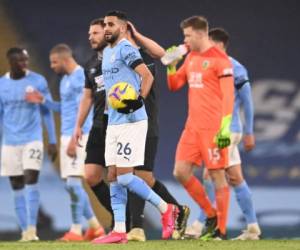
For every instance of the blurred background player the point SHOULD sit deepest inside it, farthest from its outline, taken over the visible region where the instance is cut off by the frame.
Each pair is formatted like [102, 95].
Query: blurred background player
[22, 144]
[127, 129]
[208, 72]
[94, 96]
[71, 155]
[234, 173]
[150, 50]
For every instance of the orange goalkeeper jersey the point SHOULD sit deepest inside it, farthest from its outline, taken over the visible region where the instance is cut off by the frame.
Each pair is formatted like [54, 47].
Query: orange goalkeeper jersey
[211, 87]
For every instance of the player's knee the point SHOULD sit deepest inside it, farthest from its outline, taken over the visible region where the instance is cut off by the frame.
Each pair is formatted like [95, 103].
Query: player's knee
[111, 176]
[17, 182]
[235, 180]
[180, 174]
[31, 176]
[125, 179]
[92, 178]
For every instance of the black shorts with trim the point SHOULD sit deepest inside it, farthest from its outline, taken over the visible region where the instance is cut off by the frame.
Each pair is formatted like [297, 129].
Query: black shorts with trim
[150, 154]
[95, 147]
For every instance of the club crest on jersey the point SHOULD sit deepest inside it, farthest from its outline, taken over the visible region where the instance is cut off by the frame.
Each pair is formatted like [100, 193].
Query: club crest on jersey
[205, 64]
[112, 58]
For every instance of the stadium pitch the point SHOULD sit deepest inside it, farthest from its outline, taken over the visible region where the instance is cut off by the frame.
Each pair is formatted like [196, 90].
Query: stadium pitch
[161, 245]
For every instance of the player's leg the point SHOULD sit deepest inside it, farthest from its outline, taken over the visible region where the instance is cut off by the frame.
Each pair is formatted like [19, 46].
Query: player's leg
[196, 228]
[187, 155]
[11, 166]
[215, 160]
[242, 191]
[32, 157]
[94, 164]
[72, 172]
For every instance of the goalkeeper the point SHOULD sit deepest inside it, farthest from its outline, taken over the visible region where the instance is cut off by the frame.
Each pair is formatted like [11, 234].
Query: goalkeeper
[206, 135]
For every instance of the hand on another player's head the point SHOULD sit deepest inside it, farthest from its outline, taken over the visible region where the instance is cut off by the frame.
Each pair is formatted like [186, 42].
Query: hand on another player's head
[132, 27]
[249, 142]
[131, 105]
[34, 97]
[52, 151]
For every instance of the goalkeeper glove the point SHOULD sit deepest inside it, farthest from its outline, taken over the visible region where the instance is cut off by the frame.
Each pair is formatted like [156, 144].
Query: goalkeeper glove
[131, 105]
[222, 138]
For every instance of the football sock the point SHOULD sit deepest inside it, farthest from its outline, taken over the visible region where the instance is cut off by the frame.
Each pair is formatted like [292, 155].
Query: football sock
[222, 202]
[88, 212]
[136, 185]
[164, 193]
[210, 191]
[77, 195]
[101, 191]
[118, 195]
[244, 199]
[197, 192]
[33, 201]
[137, 205]
[20, 208]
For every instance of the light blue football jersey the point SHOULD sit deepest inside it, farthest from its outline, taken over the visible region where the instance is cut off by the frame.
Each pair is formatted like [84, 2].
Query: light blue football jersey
[21, 121]
[118, 66]
[71, 89]
[243, 98]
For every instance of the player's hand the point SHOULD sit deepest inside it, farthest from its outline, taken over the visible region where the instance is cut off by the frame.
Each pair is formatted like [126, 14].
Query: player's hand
[222, 138]
[71, 150]
[34, 97]
[132, 27]
[249, 142]
[131, 105]
[52, 151]
[77, 136]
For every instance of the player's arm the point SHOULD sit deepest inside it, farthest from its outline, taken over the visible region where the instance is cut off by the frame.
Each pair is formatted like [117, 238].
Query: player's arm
[151, 47]
[134, 60]
[225, 74]
[38, 98]
[246, 98]
[176, 78]
[85, 105]
[49, 123]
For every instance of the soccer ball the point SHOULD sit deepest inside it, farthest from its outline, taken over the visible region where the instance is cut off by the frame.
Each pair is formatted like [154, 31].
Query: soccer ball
[120, 91]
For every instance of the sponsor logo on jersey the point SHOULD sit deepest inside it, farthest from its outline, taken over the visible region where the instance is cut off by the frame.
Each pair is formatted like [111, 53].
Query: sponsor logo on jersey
[205, 64]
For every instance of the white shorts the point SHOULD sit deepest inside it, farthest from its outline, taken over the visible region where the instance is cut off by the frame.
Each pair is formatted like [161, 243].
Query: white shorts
[16, 159]
[72, 166]
[233, 150]
[125, 144]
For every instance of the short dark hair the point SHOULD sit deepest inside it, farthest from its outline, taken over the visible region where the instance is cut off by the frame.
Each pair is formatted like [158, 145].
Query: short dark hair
[119, 14]
[15, 50]
[97, 21]
[219, 35]
[61, 48]
[196, 22]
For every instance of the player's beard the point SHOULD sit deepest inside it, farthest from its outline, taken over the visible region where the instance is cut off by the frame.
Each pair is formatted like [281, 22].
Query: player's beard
[112, 38]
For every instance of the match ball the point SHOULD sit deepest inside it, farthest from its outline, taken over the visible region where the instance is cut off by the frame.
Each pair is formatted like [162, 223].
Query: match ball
[121, 91]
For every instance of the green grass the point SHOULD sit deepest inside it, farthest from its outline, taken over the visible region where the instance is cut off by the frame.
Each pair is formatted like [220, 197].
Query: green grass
[160, 245]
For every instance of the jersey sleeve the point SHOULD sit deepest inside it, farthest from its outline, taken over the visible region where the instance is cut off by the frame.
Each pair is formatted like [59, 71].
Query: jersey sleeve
[225, 74]
[87, 82]
[177, 80]
[131, 56]
[240, 76]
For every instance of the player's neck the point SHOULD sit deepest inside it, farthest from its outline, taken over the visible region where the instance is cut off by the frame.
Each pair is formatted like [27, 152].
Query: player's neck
[17, 75]
[117, 41]
[71, 66]
[204, 45]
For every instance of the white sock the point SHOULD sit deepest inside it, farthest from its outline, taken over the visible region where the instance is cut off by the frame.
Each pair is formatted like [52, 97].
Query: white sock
[76, 229]
[254, 228]
[163, 206]
[93, 223]
[120, 227]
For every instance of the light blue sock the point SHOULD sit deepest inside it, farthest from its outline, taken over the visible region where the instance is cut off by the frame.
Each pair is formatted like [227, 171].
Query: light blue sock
[88, 212]
[20, 207]
[118, 197]
[138, 186]
[244, 199]
[210, 190]
[33, 202]
[76, 191]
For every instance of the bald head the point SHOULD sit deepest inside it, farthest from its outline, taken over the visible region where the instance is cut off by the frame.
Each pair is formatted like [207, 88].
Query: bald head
[61, 56]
